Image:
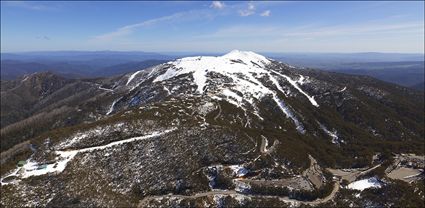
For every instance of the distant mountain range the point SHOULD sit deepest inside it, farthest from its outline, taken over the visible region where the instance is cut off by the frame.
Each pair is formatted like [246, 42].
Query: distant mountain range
[405, 73]
[12, 69]
[290, 58]
[420, 86]
[317, 60]
[83, 56]
[77, 64]
[403, 69]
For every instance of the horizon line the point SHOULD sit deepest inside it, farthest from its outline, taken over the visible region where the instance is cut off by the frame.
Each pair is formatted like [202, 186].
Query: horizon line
[211, 52]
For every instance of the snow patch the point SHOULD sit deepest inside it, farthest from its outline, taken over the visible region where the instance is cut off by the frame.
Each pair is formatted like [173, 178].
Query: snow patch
[26, 77]
[111, 109]
[228, 93]
[365, 184]
[206, 108]
[167, 90]
[32, 168]
[132, 77]
[332, 134]
[240, 67]
[99, 130]
[75, 139]
[240, 62]
[289, 114]
[241, 187]
[294, 83]
[241, 199]
[106, 89]
[238, 170]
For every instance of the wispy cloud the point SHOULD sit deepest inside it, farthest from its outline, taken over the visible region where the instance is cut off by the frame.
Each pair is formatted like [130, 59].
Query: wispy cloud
[44, 37]
[243, 31]
[316, 31]
[360, 29]
[180, 16]
[217, 5]
[125, 30]
[248, 11]
[370, 36]
[265, 13]
[30, 5]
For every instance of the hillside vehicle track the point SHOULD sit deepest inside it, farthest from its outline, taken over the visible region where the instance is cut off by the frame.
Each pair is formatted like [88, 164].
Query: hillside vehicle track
[31, 168]
[233, 192]
[351, 176]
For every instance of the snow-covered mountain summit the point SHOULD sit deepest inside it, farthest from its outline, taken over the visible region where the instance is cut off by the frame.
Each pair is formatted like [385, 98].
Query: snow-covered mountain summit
[242, 78]
[262, 89]
[235, 62]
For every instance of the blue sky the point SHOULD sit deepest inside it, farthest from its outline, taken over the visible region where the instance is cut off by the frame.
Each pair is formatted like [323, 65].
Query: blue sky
[214, 26]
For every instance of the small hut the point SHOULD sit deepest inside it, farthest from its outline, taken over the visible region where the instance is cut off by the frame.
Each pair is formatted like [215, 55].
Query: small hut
[22, 163]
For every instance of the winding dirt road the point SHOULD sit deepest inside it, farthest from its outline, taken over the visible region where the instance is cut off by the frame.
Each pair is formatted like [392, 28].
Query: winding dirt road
[350, 175]
[145, 201]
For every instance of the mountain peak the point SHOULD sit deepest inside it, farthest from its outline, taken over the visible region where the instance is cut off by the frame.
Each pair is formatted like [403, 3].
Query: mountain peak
[245, 55]
[241, 78]
[230, 64]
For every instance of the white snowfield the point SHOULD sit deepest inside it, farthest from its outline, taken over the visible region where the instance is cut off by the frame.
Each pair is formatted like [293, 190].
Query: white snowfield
[106, 89]
[332, 134]
[32, 168]
[245, 69]
[132, 77]
[365, 184]
[294, 83]
[111, 109]
[343, 89]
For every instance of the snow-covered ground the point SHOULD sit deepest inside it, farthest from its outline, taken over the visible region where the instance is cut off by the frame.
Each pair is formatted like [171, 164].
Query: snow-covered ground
[245, 69]
[80, 136]
[238, 170]
[295, 85]
[332, 134]
[106, 89]
[32, 168]
[111, 109]
[343, 89]
[365, 184]
[132, 77]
